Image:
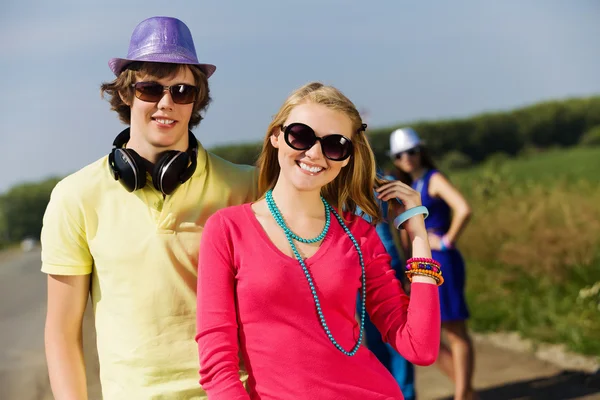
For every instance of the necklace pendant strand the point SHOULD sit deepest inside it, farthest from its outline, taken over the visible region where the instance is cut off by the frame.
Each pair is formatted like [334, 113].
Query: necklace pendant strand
[291, 236]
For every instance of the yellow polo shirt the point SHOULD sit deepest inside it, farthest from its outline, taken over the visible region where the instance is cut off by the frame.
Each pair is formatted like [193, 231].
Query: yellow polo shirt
[142, 252]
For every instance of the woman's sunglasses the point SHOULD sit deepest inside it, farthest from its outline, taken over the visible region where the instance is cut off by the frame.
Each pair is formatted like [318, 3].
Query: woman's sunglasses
[302, 137]
[410, 152]
[153, 91]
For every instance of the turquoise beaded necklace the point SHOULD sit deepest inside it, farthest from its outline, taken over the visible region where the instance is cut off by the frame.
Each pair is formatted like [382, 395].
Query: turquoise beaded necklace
[291, 236]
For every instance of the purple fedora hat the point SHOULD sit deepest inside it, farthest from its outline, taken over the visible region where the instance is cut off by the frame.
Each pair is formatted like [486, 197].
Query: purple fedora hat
[161, 39]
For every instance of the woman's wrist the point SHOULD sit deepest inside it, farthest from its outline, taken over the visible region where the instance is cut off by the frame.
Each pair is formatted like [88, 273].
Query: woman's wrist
[420, 245]
[446, 243]
[423, 279]
[416, 213]
[415, 227]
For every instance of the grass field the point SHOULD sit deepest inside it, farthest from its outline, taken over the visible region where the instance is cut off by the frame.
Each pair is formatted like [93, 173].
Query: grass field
[533, 246]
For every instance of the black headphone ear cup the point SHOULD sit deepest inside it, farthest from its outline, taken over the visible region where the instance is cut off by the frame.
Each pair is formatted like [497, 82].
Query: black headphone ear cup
[167, 172]
[128, 167]
[192, 153]
[111, 165]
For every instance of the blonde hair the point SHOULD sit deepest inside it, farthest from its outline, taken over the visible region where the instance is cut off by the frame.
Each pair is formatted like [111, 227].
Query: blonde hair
[355, 183]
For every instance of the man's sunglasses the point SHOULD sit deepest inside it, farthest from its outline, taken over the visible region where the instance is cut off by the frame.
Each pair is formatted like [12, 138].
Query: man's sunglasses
[410, 152]
[302, 137]
[153, 91]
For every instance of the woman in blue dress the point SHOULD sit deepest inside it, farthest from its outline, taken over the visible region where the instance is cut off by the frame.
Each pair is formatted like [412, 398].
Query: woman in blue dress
[449, 213]
[402, 370]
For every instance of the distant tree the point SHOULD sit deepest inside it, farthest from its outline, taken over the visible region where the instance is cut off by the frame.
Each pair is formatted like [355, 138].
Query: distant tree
[591, 137]
[3, 229]
[541, 126]
[23, 208]
[454, 160]
[240, 154]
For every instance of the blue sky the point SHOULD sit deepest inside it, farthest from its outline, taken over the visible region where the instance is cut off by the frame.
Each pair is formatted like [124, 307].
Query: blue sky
[400, 60]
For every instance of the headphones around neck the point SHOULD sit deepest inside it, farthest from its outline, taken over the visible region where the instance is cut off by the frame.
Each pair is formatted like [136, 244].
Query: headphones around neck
[171, 169]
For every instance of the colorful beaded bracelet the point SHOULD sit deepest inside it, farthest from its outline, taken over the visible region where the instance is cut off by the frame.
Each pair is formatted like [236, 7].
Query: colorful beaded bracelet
[424, 266]
[423, 272]
[423, 260]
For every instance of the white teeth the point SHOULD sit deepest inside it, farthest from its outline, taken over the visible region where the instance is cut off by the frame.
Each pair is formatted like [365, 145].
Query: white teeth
[310, 169]
[165, 121]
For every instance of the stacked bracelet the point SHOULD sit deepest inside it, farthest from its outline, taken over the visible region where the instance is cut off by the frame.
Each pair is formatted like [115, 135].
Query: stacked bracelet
[425, 267]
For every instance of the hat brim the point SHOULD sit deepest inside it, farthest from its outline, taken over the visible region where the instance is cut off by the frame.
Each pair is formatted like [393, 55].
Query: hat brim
[117, 65]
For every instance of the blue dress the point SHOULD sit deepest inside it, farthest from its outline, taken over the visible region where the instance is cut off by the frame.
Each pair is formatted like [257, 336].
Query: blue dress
[452, 292]
[399, 367]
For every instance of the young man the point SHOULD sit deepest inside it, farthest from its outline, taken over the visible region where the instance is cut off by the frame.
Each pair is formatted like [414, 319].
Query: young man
[127, 228]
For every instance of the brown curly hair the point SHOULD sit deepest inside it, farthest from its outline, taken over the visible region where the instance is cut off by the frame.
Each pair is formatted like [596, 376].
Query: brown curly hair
[121, 86]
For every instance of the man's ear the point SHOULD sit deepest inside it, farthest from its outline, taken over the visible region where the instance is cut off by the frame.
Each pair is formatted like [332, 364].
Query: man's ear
[124, 98]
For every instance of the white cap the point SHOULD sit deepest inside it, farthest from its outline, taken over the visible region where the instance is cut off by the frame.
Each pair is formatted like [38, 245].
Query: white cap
[403, 139]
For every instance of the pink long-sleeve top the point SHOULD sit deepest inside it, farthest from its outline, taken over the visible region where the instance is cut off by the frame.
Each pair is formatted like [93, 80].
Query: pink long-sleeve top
[255, 301]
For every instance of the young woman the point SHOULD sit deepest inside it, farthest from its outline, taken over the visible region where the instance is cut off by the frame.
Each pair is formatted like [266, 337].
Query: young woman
[449, 213]
[278, 278]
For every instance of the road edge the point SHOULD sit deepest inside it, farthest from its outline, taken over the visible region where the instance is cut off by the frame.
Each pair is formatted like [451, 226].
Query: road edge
[556, 354]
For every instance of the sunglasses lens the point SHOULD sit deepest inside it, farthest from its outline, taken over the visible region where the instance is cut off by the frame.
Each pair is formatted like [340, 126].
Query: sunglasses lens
[183, 94]
[410, 152]
[148, 91]
[153, 92]
[336, 147]
[300, 136]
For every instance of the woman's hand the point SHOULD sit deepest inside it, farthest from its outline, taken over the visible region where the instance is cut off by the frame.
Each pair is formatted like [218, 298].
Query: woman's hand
[410, 198]
[414, 226]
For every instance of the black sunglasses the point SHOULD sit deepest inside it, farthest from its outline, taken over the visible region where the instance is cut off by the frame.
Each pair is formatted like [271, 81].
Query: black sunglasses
[302, 137]
[153, 91]
[410, 152]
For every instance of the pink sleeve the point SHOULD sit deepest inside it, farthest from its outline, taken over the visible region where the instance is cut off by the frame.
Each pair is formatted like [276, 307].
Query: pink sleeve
[412, 326]
[216, 319]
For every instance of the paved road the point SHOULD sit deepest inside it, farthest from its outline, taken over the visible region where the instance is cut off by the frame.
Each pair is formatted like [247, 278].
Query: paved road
[23, 374]
[501, 374]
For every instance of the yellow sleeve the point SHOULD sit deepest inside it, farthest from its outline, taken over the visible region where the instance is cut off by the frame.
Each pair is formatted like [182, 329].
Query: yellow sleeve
[253, 190]
[64, 244]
